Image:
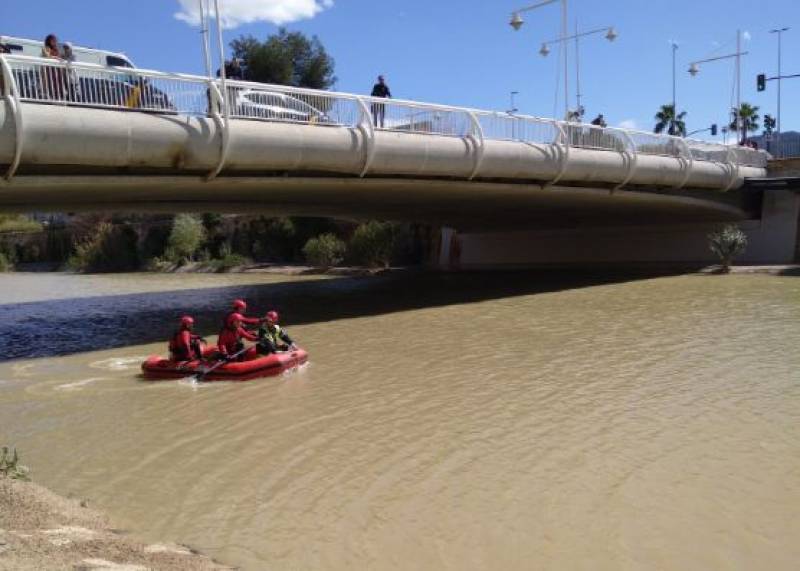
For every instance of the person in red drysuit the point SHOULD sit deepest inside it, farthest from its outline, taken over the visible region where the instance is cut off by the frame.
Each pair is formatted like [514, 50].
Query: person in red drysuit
[230, 338]
[185, 345]
[239, 307]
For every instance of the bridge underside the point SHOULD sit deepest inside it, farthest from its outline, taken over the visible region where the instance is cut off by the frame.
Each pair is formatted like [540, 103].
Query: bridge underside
[468, 206]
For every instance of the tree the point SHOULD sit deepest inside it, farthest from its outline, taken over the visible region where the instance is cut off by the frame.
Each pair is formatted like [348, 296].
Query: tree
[748, 117]
[325, 250]
[286, 58]
[187, 235]
[667, 120]
[373, 242]
[727, 242]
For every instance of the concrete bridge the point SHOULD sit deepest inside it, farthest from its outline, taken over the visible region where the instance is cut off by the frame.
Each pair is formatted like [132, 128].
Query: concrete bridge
[83, 137]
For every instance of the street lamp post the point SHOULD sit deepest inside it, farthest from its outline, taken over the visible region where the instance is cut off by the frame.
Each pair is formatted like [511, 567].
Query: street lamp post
[611, 35]
[204, 34]
[517, 21]
[674, 83]
[779, 31]
[694, 69]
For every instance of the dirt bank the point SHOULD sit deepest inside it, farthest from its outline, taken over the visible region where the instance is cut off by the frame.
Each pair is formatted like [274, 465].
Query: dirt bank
[41, 530]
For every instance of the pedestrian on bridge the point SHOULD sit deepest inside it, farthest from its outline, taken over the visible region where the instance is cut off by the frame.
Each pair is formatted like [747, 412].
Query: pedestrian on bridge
[53, 78]
[380, 89]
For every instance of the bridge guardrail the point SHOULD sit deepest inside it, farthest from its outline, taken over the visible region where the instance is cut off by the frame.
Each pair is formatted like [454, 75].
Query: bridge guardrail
[56, 82]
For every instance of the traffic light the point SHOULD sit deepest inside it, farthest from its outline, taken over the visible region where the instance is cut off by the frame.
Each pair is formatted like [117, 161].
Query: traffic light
[713, 129]
[761, 82]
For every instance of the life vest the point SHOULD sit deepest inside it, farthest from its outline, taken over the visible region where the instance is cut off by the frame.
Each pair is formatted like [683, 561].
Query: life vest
[273, 337]
[176, 348]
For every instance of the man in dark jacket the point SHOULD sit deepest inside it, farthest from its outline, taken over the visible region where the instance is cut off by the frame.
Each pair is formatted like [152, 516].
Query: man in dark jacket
[380, 89]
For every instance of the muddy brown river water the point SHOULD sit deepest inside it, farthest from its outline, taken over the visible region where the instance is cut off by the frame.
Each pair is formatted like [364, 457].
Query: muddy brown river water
[511, 421]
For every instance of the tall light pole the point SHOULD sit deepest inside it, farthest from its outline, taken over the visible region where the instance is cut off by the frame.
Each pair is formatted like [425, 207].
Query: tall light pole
[579, 108]
[739, 123]
[674, 84]
[517, 21]
[610, 35]
[204, 35]
[779, 31]
[694, 69]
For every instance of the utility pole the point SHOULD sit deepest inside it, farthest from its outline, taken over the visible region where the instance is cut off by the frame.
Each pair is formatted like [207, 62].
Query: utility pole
[779, 31]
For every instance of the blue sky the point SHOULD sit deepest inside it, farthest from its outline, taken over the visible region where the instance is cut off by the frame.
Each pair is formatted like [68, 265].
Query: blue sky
[465, 53]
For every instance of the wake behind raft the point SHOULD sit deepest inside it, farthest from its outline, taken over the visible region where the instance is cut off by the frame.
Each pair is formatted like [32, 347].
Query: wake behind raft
[253, 367]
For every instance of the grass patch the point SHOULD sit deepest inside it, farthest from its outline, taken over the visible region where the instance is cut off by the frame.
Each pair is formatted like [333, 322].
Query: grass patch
[10, 466]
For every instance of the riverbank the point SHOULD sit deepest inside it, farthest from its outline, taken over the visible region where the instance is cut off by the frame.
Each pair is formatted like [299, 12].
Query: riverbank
[210, 268]
[41, 530]
[772, 270]
[307, 270]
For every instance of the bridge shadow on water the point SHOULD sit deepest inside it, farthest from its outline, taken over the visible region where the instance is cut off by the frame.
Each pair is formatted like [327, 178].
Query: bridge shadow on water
[66, 326]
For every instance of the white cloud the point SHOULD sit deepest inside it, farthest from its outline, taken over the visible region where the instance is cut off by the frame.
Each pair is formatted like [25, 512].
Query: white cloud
[234, 13]
[628, 124]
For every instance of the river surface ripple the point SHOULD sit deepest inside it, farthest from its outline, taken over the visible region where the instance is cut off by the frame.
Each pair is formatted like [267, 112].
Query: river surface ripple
[518, 421]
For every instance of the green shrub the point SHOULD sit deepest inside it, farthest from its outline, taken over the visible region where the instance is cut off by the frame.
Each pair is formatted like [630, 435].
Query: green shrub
[107, 248]
[5, 263]
[727, 242]
[18, 223]
[10, 466]
[188, 234]
[372, 243]
[228, 259]
[325, 250]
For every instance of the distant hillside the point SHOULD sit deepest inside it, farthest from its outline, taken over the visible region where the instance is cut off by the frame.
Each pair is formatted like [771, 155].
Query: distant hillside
[790, 140]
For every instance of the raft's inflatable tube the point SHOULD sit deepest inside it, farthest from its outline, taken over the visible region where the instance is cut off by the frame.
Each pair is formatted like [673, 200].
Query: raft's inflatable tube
[255, 366]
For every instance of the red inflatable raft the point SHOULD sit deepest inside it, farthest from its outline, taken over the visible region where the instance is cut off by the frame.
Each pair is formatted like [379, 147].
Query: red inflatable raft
[253, 367]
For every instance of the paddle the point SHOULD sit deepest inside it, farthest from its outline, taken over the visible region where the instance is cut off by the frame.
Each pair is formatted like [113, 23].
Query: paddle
[199, 377]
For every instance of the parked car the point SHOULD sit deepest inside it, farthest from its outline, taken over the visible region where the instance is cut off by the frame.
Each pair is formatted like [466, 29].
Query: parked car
[274, 106]
[131, 92]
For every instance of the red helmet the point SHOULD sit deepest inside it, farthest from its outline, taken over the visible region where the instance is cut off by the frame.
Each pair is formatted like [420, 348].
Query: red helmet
[239, 305]
[234, 317]
[273, 316]
[187, 321]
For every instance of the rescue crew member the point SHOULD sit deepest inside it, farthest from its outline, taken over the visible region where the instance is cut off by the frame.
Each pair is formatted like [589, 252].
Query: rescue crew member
[185, 345]
[239, 307]
[272, 337]
[230, 338]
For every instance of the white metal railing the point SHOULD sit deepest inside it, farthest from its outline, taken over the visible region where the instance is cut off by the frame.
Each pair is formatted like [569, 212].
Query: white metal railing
[38, 80]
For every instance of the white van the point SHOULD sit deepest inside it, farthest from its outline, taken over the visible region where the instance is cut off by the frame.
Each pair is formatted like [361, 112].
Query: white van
[26, 47]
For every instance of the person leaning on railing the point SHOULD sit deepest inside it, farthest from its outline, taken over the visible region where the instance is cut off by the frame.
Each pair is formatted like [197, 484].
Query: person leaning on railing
[72, 84]
[53, 78]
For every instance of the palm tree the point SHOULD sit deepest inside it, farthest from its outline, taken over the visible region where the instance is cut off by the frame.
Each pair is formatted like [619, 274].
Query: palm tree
[667, 120]
[748, 116]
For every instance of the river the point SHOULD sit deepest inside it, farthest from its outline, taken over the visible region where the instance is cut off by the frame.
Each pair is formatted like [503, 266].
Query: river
[453, 421]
